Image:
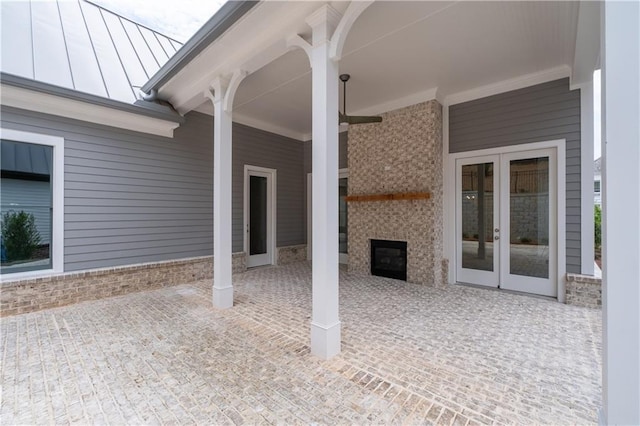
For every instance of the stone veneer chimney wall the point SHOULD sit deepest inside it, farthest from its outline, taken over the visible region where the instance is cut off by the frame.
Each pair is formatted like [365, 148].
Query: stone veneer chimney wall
[401, 154]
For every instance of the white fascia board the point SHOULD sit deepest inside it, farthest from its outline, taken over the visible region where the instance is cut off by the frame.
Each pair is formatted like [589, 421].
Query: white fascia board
[520, 82]
[64, 107]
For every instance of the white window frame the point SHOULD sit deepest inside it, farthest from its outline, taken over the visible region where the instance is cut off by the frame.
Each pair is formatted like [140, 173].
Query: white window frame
[57, 220]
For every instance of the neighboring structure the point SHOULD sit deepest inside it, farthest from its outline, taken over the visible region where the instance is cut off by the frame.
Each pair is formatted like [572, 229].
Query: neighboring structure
[479, 173]
[597, 182]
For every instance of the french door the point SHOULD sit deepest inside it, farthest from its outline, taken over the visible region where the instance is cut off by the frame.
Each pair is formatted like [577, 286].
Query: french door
[506, 221]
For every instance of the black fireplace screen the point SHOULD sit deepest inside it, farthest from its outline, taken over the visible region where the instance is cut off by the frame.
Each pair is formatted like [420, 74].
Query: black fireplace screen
[389, 259]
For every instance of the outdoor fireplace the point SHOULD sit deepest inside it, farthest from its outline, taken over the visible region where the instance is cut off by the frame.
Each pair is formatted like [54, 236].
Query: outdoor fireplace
[389, 259]
[393, 165]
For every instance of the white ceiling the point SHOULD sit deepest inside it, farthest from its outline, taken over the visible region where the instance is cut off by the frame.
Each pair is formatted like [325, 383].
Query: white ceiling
[399, 49]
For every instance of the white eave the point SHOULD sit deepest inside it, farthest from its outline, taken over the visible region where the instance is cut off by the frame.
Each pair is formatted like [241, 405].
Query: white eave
[40, 97]
[398, 54]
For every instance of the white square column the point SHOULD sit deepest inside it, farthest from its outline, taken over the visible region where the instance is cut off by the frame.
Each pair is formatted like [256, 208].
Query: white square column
[222, 261]
[325, 323]
[621, 214]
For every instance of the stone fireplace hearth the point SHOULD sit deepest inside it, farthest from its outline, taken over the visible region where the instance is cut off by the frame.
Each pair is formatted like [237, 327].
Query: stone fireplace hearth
[400, 155]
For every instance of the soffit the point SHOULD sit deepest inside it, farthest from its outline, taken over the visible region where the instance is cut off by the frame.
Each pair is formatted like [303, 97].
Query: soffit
[258, 38]
[395, 50]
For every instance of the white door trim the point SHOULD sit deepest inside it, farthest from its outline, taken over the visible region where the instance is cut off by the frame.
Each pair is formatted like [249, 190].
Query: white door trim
[271, 175]
[344, 258]
[450, 201]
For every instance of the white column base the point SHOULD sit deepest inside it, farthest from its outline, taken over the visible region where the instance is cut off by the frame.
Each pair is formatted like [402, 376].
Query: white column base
[223, 297]
[325, 341]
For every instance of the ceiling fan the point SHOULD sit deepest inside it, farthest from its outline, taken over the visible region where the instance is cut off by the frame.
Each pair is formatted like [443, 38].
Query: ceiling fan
[352, 119]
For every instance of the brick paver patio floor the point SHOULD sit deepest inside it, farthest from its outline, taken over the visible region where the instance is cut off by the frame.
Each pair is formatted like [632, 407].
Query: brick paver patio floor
[411, 354]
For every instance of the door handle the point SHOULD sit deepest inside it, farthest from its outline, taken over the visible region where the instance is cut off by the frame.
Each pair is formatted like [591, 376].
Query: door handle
[496, 230]
[496, 237]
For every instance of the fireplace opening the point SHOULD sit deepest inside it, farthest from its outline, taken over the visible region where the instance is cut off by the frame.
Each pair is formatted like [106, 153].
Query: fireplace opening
[389, 259]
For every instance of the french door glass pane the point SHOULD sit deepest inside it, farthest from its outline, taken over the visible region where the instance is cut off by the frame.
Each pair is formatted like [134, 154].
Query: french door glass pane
[342, 218]
[257, 215]
[529, 217]
[477, 216]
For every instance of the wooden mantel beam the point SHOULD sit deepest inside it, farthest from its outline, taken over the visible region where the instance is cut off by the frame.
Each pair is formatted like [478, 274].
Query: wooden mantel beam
[390, 197]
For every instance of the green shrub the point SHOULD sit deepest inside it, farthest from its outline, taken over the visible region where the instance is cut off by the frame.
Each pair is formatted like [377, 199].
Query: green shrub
[597, 221]
[20, 236]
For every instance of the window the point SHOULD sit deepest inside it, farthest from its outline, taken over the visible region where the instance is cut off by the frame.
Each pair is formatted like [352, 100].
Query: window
[596, 186]
[31, 203]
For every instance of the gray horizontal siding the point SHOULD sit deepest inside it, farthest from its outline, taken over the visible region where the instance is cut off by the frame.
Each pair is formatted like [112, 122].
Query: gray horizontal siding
[538, 113]
[263, 149]
[133, 198]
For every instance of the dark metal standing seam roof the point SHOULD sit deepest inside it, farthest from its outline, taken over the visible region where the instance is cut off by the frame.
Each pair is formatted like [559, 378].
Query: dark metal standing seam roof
[81, 46]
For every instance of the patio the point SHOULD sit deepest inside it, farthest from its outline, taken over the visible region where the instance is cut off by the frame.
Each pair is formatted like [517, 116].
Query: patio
[411, 355]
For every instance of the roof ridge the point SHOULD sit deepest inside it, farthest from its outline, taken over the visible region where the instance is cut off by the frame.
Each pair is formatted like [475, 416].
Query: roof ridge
[132, 21]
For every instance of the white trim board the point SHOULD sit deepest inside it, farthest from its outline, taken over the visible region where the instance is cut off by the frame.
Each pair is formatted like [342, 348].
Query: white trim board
[587, 238]
[449, 202]
[57, 220]
[450, 211]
